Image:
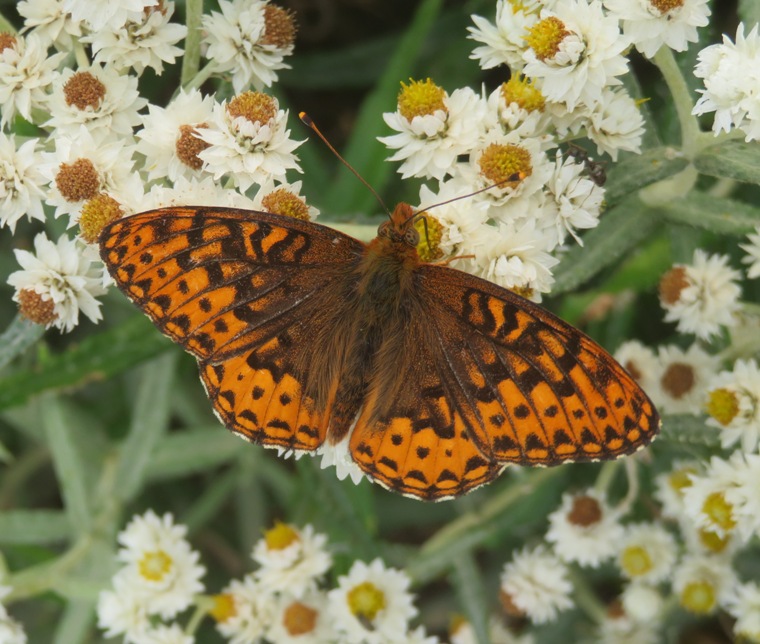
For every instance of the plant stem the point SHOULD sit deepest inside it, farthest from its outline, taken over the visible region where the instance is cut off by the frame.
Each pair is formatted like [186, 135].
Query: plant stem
[192, 57]
[690, 132]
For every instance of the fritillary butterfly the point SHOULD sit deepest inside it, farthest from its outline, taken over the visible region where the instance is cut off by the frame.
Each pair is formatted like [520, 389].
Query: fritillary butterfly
[436, 378]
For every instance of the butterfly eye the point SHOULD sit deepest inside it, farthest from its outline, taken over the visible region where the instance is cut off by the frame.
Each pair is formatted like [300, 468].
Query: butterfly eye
[382, 229]
[411, 236]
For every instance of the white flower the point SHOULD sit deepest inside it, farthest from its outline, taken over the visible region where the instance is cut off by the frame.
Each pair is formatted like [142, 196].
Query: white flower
[284, 198]
[20, 182]
[147, 42]
[248, 141]
[239, 42]
[26, 72]
[733, 405]
[113, 14]
[371, 604]
[701, 582]
[338, 455]
[574, 52]
[584, 529]
[193, 192]
[419, 636]
[650, 24]
[462, 632]
[60, 273]
[732, 83]
[641, 602]
[291, 560]
[164, 634]
[11, 632]
[504, 41]
[122, 611]
[670, 487]
[250, 614]
[615, 123]
[743, 604]
[701, 297]
[682, 377]
[753, 253]
[429, 144]
[640, 362]
[99, 98]
[518, 105]
[169, 138]
[646, 552]
[301, 620]
[51, 22]
[536, 583]
[621, 629]
[160, 564]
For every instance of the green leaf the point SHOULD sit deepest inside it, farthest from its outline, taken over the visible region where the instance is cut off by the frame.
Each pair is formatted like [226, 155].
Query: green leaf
[749, 12]
[95, 358]
[621, 229]
[690, 430]
[716, 214]
[34, 527]
[731, 160]
[469, 588]
[75, 623]
[68, 463]
[149, 422]
[19, 336]
[634, 172]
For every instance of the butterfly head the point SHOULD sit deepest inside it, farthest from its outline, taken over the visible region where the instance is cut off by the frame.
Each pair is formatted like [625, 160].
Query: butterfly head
[400, 227]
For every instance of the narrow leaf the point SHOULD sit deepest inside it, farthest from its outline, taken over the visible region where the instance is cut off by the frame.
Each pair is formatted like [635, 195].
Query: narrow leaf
[34, 527]
[715, 214]
[469, 588]
[690, 430]
[634, 172]
[19, 336]
[731, 160]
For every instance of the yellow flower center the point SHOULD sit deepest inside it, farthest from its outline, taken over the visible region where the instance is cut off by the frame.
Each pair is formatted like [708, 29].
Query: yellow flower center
[719, 511]
[299, 619]
[680, 479]
[430, 231]
[722, 405]
[155, 565]
[712, 541]
[366, 600]
[281, 536]
[284, 202]
[545, 37]
[36, 307]
[420, 98]
[678, 379]
[224, 607]
[672, 283]
[84, 90]
[96, 213]
[77, 181]
[256, 107]
[636, 561]
[698, 597]
[187, 146]
[505, 164]
[521, 90]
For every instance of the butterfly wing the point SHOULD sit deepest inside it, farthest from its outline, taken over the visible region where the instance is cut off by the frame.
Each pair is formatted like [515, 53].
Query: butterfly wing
[240, 290]
[493, 379]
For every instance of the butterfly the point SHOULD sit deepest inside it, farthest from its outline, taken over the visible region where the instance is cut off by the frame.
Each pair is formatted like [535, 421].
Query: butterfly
[305, 336]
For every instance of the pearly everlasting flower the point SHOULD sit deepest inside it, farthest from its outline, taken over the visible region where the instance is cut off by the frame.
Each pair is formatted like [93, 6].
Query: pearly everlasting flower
[650, 24]
[244, 611]
[682, 378]
[504, 40]
[535, 583]
[48, 20]
[743, 603]
[11, 632]
[584, 529]
[733, 405]
[338, 455]
[122, 610]
[301, 620]
[112, 14]
[248, 141]
[619, 628]
[732, 83]
[702, 582]
[434, 128]
[164, 634]
[371, 604]
[291, 560]
[283, 198]
[169, 137]
[702, 296]
[646, 553]
[57, 282]
[26, 72]
[462, 632]
[20, 182]
[574, 52]
[641, 602]
[753, 253]
[671, 486]
[146, 42]
[641, 362]
[193, 192]
[518, 105]
[249, 38]
[615, 124]
[99, 98]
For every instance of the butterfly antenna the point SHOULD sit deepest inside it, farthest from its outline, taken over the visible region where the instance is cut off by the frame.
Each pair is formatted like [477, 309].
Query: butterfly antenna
[306, 119]
[515, 177]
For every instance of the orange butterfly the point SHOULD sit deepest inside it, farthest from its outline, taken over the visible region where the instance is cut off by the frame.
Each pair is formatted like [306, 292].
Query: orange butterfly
[437, 378]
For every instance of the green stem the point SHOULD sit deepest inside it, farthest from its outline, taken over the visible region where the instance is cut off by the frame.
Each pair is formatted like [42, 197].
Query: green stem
[202, 76]
[192, 58]
[585, 598]
[19, 336]
[690, 132]
[606, 474]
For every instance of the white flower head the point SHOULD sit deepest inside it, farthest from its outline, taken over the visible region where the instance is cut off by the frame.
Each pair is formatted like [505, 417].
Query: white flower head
[163, 634]
[248, 141]
[743, 603]
[671, 486]
[11, 632]
[160, 564]
[434, 128]
[518, 105]
[371, 604]
[584, 529]
[291, 560]
[57, 282]
[536, 583]
[504, 40]
[682, 378]
[338, 455]
[302, 620]
[732, 83]
[99, 98]
[169, 138]
[641, 602]
[21, 183]
[620, 628]
[574, 52]
[702, 582]
[194, 192]
[639, 361]
[51, 22]
[26, 73]
[615, 123]
[701, 296]
[733, 405]
[753, 253]
[146, 42]
[650, 24]
[122, 610]
[249, 38]
[462, 632]
[646, 553]
[283, 198]
[112, 14]
[244, 611]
